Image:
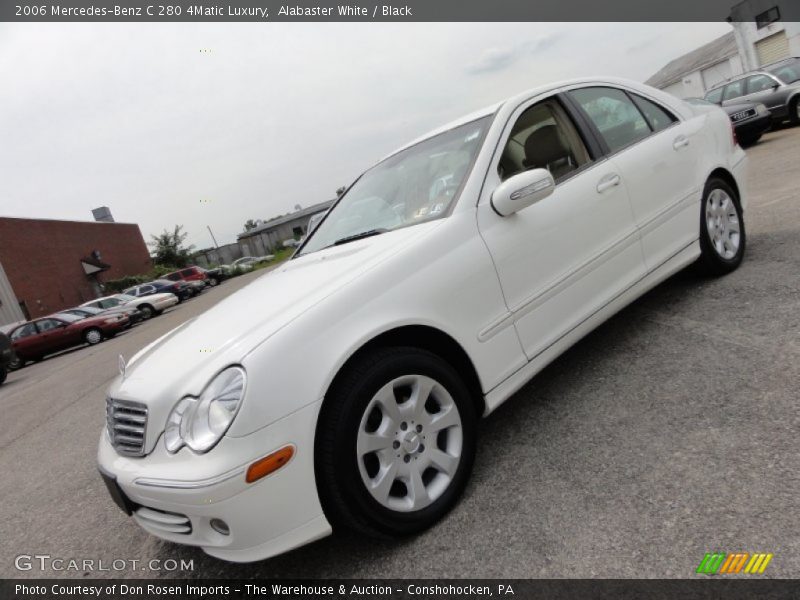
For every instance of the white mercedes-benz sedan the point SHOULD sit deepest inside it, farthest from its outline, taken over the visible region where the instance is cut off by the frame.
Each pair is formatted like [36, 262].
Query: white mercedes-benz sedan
[343, 388]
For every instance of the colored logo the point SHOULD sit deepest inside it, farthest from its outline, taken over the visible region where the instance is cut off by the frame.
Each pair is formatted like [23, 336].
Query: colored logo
[720, 563]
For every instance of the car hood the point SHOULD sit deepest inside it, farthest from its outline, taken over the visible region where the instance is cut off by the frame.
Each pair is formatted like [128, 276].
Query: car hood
[184, 360]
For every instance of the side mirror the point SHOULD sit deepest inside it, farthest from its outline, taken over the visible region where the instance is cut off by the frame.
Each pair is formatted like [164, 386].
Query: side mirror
[522, 190]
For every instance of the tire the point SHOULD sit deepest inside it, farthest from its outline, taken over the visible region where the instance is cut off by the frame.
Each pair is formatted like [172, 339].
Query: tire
[212, 281]
[16, 363]
[3, 375]
[794, 111]
[365, 394]
[749, 141]
[93, 336]
[147, 311]
[722, 229]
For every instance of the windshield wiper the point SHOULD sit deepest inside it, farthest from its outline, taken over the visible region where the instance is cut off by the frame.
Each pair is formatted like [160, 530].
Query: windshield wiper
[358, 236]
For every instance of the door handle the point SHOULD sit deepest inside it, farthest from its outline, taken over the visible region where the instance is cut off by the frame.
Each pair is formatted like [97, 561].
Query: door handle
[680, 142]
[607, 182]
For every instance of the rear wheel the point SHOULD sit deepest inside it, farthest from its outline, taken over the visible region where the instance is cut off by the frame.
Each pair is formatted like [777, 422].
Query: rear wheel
[722, 232]
[395, 443]
[16, 363]
[147, 311]
[749, 140]
[212, 281]
[794, 111]
[3, 374]
[92, 336]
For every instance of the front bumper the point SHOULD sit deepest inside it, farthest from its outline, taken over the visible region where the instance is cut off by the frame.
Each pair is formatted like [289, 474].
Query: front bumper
[175, 497]
[753, 127]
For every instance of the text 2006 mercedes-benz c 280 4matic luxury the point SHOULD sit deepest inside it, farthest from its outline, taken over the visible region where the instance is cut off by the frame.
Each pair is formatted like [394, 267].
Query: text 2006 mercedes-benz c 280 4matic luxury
[342, 389]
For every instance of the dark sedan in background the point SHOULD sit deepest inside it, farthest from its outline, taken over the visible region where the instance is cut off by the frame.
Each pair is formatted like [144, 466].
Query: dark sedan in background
[7, 356]
[750, 120]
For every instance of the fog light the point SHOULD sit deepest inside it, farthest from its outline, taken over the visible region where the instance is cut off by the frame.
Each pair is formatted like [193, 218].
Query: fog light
[220, 526]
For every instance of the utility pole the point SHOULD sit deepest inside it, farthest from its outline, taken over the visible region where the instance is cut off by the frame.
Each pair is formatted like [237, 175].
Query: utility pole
[216, 245]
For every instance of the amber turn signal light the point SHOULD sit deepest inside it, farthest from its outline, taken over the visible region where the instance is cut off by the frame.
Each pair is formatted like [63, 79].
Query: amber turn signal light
[269, 464]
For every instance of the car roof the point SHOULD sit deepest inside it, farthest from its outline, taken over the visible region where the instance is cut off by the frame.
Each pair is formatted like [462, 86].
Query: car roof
[739, 77]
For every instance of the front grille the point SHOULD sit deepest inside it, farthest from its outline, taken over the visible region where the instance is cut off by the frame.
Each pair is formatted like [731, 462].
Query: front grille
[743, 114]
[126, 422]
[162, 520]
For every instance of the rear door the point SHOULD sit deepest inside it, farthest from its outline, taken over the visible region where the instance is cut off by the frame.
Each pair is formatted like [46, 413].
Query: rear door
[655, 153]
[25, 340]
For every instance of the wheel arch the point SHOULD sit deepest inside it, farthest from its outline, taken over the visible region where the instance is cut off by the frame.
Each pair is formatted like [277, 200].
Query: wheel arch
[726, 176]
[424, 337]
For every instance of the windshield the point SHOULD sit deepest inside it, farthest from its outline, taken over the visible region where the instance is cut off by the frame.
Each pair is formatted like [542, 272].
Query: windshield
[788, 72]
[415, 185]
[86, 310]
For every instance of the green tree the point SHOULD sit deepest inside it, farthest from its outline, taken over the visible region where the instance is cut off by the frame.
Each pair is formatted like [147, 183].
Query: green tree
[250, 224]
[169, 247]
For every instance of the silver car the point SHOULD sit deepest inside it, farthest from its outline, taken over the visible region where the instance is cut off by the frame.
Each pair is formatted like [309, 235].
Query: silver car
[776, 85]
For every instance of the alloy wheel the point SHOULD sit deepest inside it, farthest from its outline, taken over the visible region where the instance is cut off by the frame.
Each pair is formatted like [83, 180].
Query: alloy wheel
[409, 443]
[722, 223]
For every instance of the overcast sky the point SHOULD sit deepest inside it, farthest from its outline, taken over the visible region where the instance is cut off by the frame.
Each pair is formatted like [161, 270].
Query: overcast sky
[136, 117]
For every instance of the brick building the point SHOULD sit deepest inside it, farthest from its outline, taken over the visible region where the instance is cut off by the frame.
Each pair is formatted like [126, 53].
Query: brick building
[47, 265]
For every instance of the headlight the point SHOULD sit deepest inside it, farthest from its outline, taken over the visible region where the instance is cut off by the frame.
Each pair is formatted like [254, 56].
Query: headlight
[761, 109]
[201, 422]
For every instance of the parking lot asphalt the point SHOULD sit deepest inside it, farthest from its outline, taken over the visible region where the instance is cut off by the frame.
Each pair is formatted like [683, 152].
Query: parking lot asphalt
[669, 432]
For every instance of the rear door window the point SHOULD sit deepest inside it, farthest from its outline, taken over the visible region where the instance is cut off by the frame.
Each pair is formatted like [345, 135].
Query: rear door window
[658, 117]
[734, 90]
[26, 330]
[616, 117]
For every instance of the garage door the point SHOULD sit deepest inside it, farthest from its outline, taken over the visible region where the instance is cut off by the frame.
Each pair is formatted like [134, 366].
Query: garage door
[773, 48]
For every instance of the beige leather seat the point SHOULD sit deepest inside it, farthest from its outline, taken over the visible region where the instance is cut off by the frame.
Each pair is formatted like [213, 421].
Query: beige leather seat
[546, 149]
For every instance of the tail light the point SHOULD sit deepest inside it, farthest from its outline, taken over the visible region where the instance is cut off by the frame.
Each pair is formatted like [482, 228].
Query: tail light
[733, 135]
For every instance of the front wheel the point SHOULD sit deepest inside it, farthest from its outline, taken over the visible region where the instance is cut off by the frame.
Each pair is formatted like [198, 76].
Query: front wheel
[16, 363]
[212, 281]
[147, 311]
[92, 336]
[722, 232]
[395, 442]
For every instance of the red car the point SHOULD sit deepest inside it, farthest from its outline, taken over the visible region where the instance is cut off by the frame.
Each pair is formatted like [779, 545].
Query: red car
[35, 339]
[187, 274]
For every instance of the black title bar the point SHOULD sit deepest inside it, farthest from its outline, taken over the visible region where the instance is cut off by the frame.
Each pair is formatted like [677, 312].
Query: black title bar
[375, 10]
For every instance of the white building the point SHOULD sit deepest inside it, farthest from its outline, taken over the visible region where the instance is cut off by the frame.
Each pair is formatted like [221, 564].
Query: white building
[766, 31]
[692, 74]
